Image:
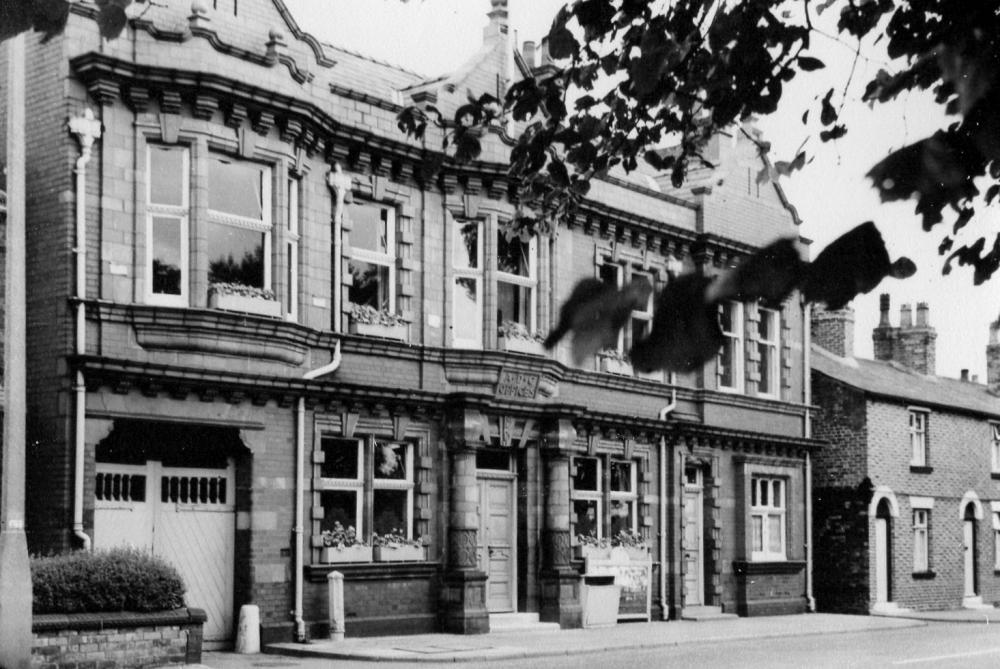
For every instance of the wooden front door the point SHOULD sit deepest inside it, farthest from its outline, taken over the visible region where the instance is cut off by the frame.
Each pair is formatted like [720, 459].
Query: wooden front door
[694, 558]
[969, 541]
[881, 560]
[497, 548]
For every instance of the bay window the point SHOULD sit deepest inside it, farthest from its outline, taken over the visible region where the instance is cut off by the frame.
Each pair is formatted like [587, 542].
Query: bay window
[238, 225]
[372, 265]
[167, 207]
[767, 518]
[731, 355]
[467, 291]
[516, 282]
[767, 346]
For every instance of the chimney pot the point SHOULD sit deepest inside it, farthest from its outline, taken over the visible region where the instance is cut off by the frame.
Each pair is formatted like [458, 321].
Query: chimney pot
[922, 315]
[546, 57]
[905, 316]
[965, 375]
[528, 52]
[975, 378]
[883, 305]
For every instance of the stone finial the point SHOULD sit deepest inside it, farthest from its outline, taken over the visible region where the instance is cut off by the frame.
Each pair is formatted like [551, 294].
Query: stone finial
[199, 15]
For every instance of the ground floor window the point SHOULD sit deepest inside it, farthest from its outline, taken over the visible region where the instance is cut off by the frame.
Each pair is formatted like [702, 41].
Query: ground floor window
[592, 495]
[767, 518]
[367, 483]
[921, 543]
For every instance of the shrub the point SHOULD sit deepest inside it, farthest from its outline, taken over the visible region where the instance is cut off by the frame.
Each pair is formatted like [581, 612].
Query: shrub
[120, 579]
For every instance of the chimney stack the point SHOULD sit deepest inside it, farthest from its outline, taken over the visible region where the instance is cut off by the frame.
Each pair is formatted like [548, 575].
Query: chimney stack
[833, 330]
[910, 345]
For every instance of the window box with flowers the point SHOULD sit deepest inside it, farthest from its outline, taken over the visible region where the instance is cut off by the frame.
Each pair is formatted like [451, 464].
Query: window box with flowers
[515, 338]
[343, 545]
[245, 299]
[395, 547]
[371, 322]
[614, 362]
[589, 546]
[631, 544]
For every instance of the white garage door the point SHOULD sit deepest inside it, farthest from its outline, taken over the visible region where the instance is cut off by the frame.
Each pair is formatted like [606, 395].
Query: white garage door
[187, 517]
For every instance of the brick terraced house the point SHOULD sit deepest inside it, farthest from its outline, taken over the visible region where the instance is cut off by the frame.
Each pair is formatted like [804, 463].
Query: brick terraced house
[907, 494]
[252, 319]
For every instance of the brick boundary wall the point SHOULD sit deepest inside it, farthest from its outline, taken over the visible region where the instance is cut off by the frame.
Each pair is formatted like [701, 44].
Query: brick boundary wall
[116, 640]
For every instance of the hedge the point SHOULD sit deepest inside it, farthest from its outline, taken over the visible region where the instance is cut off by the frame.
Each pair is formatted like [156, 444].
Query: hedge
[120, 579]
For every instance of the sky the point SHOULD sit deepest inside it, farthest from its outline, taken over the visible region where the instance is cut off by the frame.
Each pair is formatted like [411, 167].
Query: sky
[831, 194]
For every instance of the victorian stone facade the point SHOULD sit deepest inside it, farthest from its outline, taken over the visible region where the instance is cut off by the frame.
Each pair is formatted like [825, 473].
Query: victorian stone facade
[255, 323]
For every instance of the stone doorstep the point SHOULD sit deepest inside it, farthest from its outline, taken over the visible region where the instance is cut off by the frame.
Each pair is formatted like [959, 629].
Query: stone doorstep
[976, 604]
[520, 622]
[888, 609]
[704, 613]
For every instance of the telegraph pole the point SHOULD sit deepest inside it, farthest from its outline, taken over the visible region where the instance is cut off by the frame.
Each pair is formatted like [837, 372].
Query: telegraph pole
[15, 575]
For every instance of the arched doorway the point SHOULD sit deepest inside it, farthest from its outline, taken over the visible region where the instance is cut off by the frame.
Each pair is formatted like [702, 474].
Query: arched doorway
[883, 552]
[969, 539]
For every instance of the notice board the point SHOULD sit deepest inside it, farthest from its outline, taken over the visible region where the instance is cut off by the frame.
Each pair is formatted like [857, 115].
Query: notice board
[634, 577]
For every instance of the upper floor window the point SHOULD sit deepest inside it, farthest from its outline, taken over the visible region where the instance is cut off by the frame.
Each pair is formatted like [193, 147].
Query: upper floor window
[731, 355]
[292, 251]
[167, 207]
[995, 447]
[767, 346]
[918, 438]
[372, 265]
[612, 274]
[767, 518]
[516, 281]
[642, 319]
[467, 294]
[238, 228]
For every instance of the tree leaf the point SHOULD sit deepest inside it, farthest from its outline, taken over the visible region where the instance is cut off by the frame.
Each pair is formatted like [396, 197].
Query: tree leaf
[809, 64]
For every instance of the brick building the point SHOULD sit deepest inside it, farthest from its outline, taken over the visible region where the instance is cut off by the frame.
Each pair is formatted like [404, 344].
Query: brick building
[907, 495]
[252, 318]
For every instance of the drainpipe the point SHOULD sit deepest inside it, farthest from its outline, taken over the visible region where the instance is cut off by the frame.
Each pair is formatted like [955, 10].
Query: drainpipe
[664, 412]
[807, 433]
[87, 129]
[300, 447]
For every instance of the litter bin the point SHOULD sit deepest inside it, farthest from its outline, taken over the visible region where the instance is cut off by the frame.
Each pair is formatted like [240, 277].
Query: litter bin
[600, 598]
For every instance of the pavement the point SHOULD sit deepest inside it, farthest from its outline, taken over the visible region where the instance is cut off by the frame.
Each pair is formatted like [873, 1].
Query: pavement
[522, 644]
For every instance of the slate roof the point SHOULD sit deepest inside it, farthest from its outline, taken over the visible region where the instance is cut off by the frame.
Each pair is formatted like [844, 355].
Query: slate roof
[892, 380]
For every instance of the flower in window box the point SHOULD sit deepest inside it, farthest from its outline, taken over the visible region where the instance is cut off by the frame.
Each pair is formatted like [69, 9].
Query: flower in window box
[369, 321]
[514, 337]
[393, 546]
[344, 545]
[614, 362]
[589, 546]
[240, 297]
[633, 543]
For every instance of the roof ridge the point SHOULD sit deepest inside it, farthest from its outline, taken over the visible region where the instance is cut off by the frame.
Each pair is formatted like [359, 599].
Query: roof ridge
[372, 59]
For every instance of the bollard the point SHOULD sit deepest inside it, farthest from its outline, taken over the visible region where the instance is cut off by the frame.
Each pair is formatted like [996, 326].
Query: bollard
[248, 632]
[335, 592]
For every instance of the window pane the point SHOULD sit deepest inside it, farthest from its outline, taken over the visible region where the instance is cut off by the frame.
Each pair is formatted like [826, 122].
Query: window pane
[621, 516]
[758, 533]
[236, 187]
[370, 286]
[766, 376]
[621, 476]
[512, 255]
[492, 459]
[340, 459]
[764, 486]
[727, 320]
[585, 517]
[466, 250]
[608, 274]
[166, 255]
[585, 476]
[339, 506]
[640, 327]
[777, 497]
[389, 511]
[513, 304]
[765, 326]
[369, 227]
[290, 280]
[166, 176]
[774, 533]
[468, 318]
[235, 255]
[390, 461]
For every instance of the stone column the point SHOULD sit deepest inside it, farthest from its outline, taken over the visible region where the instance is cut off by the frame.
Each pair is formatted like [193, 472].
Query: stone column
[560, 581]
[463, 606]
